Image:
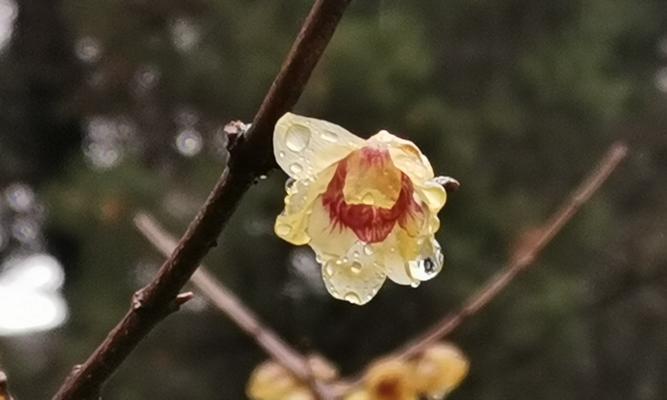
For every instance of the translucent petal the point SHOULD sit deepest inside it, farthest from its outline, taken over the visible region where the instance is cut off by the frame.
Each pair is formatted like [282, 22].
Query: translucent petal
[406, 156]
[371, 179]
[394, 261]
[431, 193]
[305, 146]
[291, 225]
[356, 277]
[326, 239]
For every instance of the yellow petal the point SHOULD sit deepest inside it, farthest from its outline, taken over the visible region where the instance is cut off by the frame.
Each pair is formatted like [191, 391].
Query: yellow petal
[327, 240]
[440, 369]
[291, 225]
[371, 179]
[390, 380]
[405, 156]
[394, 261]
[431, 193]
[305, 146]
[354, 281]
[358, 395]
[270, 381]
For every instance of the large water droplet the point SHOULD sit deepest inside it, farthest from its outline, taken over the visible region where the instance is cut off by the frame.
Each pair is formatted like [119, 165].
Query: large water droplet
[428, 264]
[355, 267]
[368, 199]
[297, 137]
[295, 168]
[283, 229]
[330, 136]
[352, 298]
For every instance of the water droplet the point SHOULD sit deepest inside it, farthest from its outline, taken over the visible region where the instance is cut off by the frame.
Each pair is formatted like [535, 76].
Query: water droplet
[289, 184]
[368, 199]
[355, 268]
[297, 137]
[355, 254]
[415, 284]
[352, 298]
[189, 142]
[329, 269]
[368, 250]
[392, 249]
[295, 168]
[263, 177]
[281, 154]
[330, 136]
[283, 229]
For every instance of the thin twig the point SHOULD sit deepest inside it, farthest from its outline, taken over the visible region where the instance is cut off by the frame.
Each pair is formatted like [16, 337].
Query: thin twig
[227, 302]
[4, 387]
[526, 256]
[251, 156]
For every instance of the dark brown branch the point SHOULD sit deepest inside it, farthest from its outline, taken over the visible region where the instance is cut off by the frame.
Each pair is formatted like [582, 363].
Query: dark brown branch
[524, 257]
[251, 156]
[4, 387]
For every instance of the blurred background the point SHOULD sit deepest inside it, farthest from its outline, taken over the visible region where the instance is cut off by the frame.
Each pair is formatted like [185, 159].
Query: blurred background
[109, 107]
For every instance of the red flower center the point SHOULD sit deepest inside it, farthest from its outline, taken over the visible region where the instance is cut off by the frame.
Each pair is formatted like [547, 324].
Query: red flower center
[370, 223]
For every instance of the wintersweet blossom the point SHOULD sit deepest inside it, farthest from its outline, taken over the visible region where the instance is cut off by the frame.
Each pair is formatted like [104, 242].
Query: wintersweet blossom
[368, 208]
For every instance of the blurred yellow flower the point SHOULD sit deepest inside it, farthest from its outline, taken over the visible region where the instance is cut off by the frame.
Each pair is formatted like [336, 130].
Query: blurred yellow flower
[368, 208]
[270, 381]
[440, 369]
[389, 380]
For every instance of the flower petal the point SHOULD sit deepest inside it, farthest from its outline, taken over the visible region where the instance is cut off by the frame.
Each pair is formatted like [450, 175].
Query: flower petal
[305, 146]
[291, 225]
[440, 369]
[352, 281]
[405, 155]
[327, 239]
[393, 258]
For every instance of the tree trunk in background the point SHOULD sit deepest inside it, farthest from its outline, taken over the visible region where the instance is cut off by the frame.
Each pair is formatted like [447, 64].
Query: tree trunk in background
[40, 77]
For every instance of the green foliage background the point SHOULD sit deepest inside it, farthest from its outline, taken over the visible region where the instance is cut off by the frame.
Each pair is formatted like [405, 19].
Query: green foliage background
[516, 99]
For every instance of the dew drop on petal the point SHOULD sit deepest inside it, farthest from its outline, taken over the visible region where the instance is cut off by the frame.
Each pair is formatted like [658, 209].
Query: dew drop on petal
[330, 136]
[368, 250]
[352, 298]
[281, 154]
[355, 267]
[329, 269]
[295, 168]
[297, 137]
[429, 263]
[283, 229]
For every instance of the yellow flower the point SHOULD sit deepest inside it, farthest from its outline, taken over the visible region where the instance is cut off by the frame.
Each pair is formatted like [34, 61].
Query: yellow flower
[389, 380]
[270, 381]
[440, 369]
[368, 208]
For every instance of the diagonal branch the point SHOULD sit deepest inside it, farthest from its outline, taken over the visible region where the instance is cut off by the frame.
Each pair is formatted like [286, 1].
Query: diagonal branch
[250, 157]
[227, 302]
[524, 257]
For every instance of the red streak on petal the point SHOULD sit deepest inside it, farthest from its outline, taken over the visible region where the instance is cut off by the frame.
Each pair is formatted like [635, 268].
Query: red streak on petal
[371, 224]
